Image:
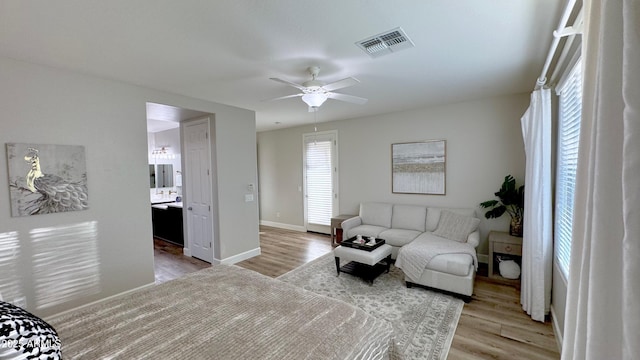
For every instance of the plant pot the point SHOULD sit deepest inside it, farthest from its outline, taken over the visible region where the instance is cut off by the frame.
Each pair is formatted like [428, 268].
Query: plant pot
[515, 229]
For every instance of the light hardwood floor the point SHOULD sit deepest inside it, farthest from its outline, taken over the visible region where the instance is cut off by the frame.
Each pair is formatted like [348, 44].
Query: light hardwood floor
[491, 326]
[169, 263]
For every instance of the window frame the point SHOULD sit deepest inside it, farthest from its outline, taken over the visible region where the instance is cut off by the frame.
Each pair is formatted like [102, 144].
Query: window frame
[310, 138]
[569, 91]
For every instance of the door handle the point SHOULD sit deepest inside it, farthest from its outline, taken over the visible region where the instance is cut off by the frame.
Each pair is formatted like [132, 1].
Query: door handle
[189, 208]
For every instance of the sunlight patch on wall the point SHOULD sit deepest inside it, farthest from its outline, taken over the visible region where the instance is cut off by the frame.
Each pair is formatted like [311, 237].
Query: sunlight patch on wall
[65, 263]
[9, 257]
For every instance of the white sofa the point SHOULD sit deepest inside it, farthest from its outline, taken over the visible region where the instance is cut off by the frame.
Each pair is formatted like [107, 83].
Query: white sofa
[454, 265]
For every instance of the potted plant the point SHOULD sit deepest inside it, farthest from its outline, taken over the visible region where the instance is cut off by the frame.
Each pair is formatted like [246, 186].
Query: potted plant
[511, 201]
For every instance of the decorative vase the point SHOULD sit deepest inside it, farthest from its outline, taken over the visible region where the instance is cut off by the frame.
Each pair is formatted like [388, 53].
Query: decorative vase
[515, 229]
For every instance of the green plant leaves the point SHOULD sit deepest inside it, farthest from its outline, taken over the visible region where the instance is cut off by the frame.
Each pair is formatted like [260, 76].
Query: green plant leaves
[496, 212]
[511, 200]
[490, 203]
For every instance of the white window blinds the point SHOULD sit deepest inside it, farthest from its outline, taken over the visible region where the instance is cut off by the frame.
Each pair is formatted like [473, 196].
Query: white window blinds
[570, 110]
[319, 174]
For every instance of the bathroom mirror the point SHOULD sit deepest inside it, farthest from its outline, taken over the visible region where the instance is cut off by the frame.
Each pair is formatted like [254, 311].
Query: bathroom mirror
[152, 176]
[164, 175]
[160, 175]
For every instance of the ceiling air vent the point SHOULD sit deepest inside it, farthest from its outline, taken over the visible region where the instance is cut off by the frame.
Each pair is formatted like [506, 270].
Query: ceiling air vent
[386, 43]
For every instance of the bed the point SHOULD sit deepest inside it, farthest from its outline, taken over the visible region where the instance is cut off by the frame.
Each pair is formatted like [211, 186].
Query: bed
[222, 312]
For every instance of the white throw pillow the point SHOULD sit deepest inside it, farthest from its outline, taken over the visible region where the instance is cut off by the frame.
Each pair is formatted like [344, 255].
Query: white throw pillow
[456, 227]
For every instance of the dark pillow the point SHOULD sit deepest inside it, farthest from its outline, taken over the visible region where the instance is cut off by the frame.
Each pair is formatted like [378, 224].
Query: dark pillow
[26, 336]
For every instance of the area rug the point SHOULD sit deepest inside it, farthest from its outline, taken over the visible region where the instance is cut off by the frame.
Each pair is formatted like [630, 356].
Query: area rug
[424, 321]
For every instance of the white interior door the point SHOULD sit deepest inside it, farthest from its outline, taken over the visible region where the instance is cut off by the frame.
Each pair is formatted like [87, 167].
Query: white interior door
[320, 180]
[198, 189]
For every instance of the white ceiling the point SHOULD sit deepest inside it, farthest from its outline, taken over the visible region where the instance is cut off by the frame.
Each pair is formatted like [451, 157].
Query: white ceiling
[162, 117]
[226, 50]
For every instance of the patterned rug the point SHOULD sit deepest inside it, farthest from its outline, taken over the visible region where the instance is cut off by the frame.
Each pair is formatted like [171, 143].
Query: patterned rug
[424, 321]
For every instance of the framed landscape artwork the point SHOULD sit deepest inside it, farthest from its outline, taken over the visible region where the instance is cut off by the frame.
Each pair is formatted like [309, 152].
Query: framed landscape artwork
[419, 167]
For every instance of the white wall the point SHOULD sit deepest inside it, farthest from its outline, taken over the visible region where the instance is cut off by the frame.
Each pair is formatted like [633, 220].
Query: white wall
[51, 106]
[236, 154]
[484, 144]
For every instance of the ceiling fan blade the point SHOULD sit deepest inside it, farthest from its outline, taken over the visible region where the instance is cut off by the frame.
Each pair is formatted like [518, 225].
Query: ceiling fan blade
[341, 84]
[297, 86]
[347, 98]
[284, 97]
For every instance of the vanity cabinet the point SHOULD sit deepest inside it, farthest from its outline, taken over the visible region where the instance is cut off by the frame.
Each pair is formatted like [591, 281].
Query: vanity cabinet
[167, 223]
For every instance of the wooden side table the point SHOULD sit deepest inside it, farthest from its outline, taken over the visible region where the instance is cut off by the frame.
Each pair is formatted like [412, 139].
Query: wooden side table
[501, 243]
[336, 228]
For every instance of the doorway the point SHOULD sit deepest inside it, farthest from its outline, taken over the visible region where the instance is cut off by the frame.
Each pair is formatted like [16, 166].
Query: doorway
[163, 131]
[320, 179]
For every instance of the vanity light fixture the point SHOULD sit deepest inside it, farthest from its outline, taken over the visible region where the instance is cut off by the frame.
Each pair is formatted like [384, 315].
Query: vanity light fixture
[162, 153]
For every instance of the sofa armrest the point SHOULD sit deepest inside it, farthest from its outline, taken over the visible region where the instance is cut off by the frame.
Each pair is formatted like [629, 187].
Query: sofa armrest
[474, 238]
[350, 224]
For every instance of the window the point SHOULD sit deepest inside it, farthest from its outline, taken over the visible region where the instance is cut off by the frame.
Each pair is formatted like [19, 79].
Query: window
[570, 93]
[320, 178]
[319, 184]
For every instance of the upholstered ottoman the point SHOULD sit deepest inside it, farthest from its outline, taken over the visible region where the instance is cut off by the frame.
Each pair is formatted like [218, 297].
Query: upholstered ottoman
[362, 263]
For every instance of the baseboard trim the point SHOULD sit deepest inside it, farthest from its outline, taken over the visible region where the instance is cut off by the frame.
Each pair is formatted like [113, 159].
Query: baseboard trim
[186, 252]
[556, 329]
[239, 257]
[483, 258]
[283, 226]
[102, 300]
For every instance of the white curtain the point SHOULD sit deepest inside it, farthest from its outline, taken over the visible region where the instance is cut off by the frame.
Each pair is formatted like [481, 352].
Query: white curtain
[537, 240]
[603, 303]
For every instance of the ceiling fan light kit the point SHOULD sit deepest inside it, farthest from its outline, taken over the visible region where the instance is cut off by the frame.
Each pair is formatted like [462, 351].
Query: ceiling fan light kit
[314, 100]
[315, 92]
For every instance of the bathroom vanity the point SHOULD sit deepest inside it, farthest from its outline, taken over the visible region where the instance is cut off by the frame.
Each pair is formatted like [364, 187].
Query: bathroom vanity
[167, 222]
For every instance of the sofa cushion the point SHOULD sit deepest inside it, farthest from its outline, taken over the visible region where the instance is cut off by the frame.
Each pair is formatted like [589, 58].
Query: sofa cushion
[399, 237]
[433, 215]
[365, 230]
[456, 227]
[454, 264]
[378, 214]
[410, 217]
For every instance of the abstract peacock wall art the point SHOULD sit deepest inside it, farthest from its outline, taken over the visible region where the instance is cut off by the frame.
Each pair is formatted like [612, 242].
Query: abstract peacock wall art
[45, 179]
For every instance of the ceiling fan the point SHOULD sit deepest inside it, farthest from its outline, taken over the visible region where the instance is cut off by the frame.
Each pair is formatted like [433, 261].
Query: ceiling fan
[315, 92]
